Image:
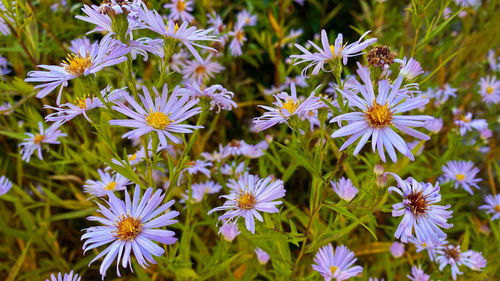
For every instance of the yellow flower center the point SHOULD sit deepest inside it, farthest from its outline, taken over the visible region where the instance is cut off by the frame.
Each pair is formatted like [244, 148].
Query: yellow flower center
[239, 35]
[332, 48]
[463, 118]
[333, 268]
[128, 228]
[38, 139]
[81, 102]
[497, 208]
[158, 120]
[181, 6]
[460, 177]
[379, 116]
[110, 186]
[290, 105]
[489, 90]
[76, 64]
[175, 29]
[246, 201]
[199, 70]
[132, 157]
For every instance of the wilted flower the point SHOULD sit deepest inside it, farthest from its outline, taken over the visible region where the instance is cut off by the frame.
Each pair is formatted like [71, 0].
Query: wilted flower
[107, 183]
[380, 56]
[417, 274]
[5, 185]
[253, 195]
[262, 256]
[164, 116]
[378, 115]
[179, 10]
[131, 225]
[462, 173]
[397, 249]
[65, 277]
[336, 265]
[35, 141]
[344, 189]
[419, 210]
[492, 206]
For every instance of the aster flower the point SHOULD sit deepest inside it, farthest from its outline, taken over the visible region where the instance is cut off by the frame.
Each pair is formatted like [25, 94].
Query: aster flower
[200, 72]
[3, 67]
[198, 166]
[131, 225]
[435, 125]
[419, 210]
[288, 106]
[466, 123]
[466, 3]
[417, 274]
[236, 147]
[430, 246]
[262, 256]
[246, 19]
[462, 173]
[453, 256]
[65, 277]
[329, 53]
[35, 141]
[164, 116]
[217, 156]
[397, 249]
[254, 150]
[4, 28]
[107, 183]
[254, 195]
[100, 15]
[229, 230]
[6, 108]
[153, 21]
[238, 39]
[299, 81]
[234, 169]
[378, 116]
[344, 189]
[336, 265]
[87, 61]
[443, 94]
[67, 111]
[216, 22]
[410, 69]
[492, 206]
[490, 89]
[5, 185]
[179, 10]
[198, 191]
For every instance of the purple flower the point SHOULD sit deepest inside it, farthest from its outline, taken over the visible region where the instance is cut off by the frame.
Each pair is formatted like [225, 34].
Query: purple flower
[410, 69]
[287, 107]
[443, 94]
[229, 230]
[88, 60]
[179, 10]
[4, 28]
[164, 116]
[5, 185]
[490, 89]
[474, 260]
[492, 206]
[330, 52]
[467, 124]
[131, 226]
[397, 249]
[65, 277]
[419, 210]
[238, 39]
[344, 189]
[100, 15]
[198, 191]
[35, 141]
[219, 96]
[234, 169]
[417, 274]
[262, 256]
[462, 173]
[430, 246]
[453, 256]
[379, 115]
[246, 19]
[435, 125]
[200, 72]
[253, 195]
[107, 183]
[336, 265]
[217, 156]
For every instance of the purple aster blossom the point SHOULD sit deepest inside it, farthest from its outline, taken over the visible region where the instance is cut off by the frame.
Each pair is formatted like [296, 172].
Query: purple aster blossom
[5, 185]
[108, 183]
[299, 81]
[485, 134]
[490, 89]
[100, 15]
[453, 256]
[236, 147]
[216, 22]
[492, 206]
[145, 45]
[435, 125]
[229, 230]
[493, 60]
[180, 10]
[198, 191]
[234, 169]
[139, 156]
[379, 115]
[116, 7]
[217, 156]
[430, 246]
[4, 28]
[246, 19]
[254, 150]
[68, 111]
[3, 67]
[6, 108]
[164, 116]
[466, 3]
[344, 189]
[337, 51]
[397, 249]
[474, 260]
[441, 95]
[462, 173]
[201, 72]
[262, 256]
[131, 226]
[254, 195]
[238, 39]
[336, 265]
[83, 42]
[150, 19]
[417, 274]
[419, 210]
[87, 61]
[198, 166]
[35, 141]
[288, 106]
[466, 123]
[65, 277]
[410, 69]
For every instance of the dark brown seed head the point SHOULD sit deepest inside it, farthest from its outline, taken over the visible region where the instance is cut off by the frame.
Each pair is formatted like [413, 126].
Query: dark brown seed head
[380, 56]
